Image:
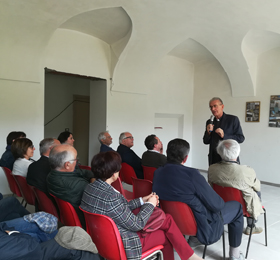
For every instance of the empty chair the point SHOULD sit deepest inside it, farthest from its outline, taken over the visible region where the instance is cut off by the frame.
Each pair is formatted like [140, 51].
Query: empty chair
[105, 235]
[141, 188]
[26, 190]
[184, 218]
[228, 194]
[45, 203]
[126, 173]
[68, 215]
[12, 182]
[148, 172]
[118, 186]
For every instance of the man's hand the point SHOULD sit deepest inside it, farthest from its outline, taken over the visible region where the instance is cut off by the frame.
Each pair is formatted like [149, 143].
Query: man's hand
[220, 132]
[209, 128]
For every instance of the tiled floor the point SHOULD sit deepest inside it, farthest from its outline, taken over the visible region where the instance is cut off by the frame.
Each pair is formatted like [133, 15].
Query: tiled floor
[257, 251]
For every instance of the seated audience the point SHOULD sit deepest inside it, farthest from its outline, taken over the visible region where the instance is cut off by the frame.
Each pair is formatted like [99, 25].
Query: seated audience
[229, 173]
[11, 208]
[105, 140]
[66, 138]
[38, 171]
[36, 237]
[23, 150]
[176, 182]
[64, 181]
[101, 198]
[129, 156]
[7, 158]
[153, 157]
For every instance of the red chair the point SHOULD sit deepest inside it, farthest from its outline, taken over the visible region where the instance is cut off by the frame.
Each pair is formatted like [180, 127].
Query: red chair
[12, 182]
[85, 167]
[68, 214]
[105, 235]
[148, 172]
[184, 218]
[26, 190]
[141, 188]
[45, 203]
[126, 173]
[118, 186]
[229, 194]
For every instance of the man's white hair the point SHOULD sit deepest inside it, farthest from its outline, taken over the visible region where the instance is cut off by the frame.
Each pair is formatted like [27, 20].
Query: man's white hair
[229, 149]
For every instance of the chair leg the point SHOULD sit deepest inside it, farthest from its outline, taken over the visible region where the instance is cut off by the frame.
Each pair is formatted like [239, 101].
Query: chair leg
[249, 241]
[204, 252]
[265, 226]
[22, 201]
[224, 246]
[25, 204]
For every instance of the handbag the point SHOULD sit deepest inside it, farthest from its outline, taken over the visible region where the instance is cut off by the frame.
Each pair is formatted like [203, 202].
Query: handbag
[154, 222]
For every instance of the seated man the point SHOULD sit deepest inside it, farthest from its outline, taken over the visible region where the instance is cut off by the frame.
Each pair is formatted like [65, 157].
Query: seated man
[105, 140]
[39, 170]
[229, 173]
[176, 182]
[64, 181]
[7, 159]
[129, 156]
[153, 157]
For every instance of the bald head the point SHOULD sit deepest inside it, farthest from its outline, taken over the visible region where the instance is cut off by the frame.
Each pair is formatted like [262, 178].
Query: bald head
[63, 158]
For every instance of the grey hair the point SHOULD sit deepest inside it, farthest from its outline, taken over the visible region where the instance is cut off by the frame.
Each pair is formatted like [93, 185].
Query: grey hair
[46, 144]
[57, 159]
[216, 98]
[102, 136]
[122, 136]
[228, 149]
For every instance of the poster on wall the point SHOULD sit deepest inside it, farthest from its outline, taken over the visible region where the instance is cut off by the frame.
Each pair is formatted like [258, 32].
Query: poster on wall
[274, 111]
[253, 111]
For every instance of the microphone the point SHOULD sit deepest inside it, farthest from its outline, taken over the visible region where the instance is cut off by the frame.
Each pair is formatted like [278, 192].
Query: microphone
[211, 120]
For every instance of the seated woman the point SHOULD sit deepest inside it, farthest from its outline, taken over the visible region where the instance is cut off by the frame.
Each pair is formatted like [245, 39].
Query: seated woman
[22, 150]
[66, 138]
[101, 198]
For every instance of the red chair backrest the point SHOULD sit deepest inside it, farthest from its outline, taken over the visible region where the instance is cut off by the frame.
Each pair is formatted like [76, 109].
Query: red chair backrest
[12, 182]
[141, 188]
[126, 173]
[105, 235]
[118, 186]
[85, 167]
[45, 203]
[229, 194]
[182, 215]
[148, 172]
[68, 214]
[26, 190]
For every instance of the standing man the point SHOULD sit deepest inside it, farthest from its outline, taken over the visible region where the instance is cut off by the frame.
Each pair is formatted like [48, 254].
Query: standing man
[153, 157]
[220, 127]
[105, 139]
[129, 156]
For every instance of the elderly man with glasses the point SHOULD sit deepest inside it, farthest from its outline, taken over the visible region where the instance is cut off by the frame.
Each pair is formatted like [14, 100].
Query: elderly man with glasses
[129, 156]
[64, 181]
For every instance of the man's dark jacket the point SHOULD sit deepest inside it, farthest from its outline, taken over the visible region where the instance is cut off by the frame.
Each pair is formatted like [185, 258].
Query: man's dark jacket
[131, 158]
[153, 159]
[232, 130]
[7, 158]
[175, 182]
[37, 173]
[105, 148]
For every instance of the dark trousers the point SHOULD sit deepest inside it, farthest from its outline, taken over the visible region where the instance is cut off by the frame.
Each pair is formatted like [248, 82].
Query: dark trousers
[232, 214]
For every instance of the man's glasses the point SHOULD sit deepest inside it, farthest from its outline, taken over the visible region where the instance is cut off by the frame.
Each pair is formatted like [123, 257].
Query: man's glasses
[129, 137]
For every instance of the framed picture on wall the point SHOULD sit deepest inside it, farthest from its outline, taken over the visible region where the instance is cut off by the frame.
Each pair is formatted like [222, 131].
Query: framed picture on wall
[253, 111]
[274, 111]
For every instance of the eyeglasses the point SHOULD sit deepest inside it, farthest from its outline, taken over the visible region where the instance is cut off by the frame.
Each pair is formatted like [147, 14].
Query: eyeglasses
[215, 106]
[31, 146]
[129, 137]
[74, 160]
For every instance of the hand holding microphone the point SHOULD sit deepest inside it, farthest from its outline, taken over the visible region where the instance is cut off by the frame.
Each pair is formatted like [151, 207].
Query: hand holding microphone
[210, 127]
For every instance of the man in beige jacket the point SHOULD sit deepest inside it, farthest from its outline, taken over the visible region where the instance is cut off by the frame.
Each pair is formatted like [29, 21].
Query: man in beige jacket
[229, 173]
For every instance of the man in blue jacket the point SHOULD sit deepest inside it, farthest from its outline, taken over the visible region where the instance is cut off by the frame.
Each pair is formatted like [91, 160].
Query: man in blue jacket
[176, 182]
